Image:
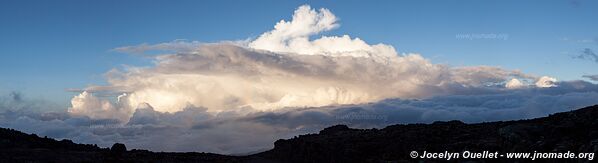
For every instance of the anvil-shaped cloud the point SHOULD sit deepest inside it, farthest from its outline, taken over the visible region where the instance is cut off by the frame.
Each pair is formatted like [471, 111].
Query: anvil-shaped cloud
[284, 68]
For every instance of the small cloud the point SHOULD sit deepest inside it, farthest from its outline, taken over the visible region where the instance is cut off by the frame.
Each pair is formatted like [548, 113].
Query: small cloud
[173, 46]
[587, 54]
[545, 82]
[16, 96]
[585, 41]
[514, 84]
[591, 77]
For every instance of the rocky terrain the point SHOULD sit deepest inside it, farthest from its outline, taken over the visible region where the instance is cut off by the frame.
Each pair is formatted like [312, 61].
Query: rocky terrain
[575, 131]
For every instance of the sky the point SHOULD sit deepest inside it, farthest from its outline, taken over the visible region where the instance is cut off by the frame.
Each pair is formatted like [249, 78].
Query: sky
[67, 44]
[233, 76]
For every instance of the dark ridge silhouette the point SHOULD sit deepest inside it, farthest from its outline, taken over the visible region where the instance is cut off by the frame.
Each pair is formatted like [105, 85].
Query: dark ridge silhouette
[575, 131]
[16, 146]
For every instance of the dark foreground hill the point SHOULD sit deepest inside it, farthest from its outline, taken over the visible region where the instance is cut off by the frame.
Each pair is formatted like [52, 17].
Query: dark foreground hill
[16, 146]
[575, 131]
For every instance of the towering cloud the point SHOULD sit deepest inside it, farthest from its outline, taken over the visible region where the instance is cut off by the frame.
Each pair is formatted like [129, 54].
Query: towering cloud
[293, 37]
[284, 68]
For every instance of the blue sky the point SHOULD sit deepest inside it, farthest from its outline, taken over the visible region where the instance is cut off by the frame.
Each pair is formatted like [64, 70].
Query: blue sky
[47, 47]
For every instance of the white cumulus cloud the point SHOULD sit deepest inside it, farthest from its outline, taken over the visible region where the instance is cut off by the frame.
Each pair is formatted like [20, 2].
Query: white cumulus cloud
[86, 104]
[293, 37]
[546, 81]
[514, 84]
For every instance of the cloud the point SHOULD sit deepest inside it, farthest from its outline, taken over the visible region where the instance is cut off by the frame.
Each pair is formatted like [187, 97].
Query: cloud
[588, 54]
[514, 84]
[88, 105]
[176, 45]
[546, 81]
[228, 132]
[506, 105]
[224, 77]
[284, 68]
[294, 37]
[15, 103]
[591, 77]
